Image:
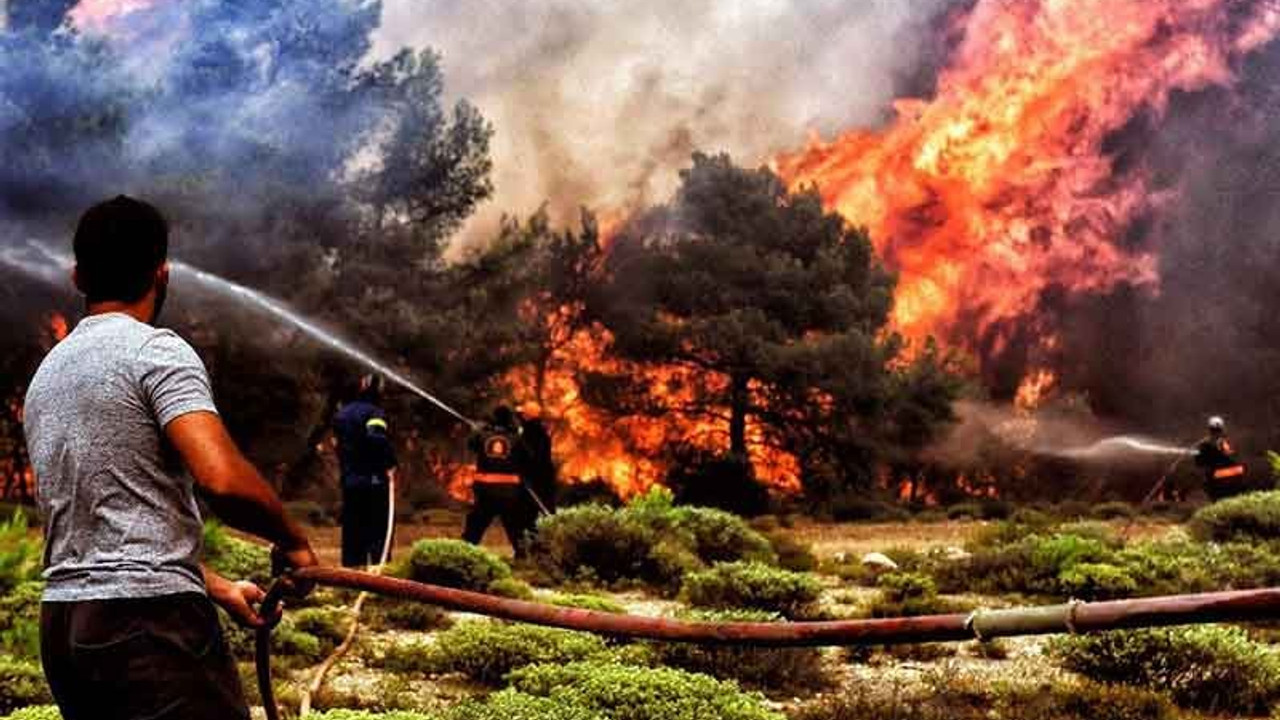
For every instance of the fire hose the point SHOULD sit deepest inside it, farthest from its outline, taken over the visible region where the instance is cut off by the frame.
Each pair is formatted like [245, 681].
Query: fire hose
[1073, 617]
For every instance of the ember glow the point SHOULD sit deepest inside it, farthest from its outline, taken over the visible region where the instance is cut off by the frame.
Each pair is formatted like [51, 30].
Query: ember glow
[1002, 186]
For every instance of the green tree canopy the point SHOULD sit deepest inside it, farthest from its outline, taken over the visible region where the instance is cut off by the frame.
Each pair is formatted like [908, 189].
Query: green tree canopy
[781, 309]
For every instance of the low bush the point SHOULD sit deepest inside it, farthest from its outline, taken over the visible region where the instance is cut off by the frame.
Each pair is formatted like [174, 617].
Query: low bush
[512, 705]
[1255, 516]
[1113, 511]
[234, 558]
[719, 536]
[792, 554]
[455, 564]
[988, 509]
[784, 670]
[329, 624]
[1213, 668]
[487, 650]
[649, 541]
[755, 586]
[21, 552]
[625, 692]
[400, 615]
[1096, 581]
[908, 594]
[346, 714]
[21, 684]
[1035, 564]
[20, 620]
[597, 543]
[585, 602]
[951, 696]
[36, 712]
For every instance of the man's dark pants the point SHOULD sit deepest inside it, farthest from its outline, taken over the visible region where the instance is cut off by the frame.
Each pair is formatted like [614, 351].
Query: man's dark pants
[364, 522]
[511, 503]
[160, 658]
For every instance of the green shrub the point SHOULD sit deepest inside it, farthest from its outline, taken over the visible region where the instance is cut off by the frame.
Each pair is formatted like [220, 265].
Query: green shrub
[907, 594]
[719, 536]
[792, 554]
[754, 586]
[21, 684]
[586, 602]
[455, 564]
[1071, 509]
[1206, 667]
[599, 543]
[625, 692]
[951, 696]
[20, 620]
[1096, 581]
[1113, 511]
[512, 705]
[965, 511]
[329, 624]
[21, 553]
[1031, 518]
[344, 714]
[234, 558]
[1254, 516]
[401, 615]
[786, 670]
[36, 712]
[487, 650]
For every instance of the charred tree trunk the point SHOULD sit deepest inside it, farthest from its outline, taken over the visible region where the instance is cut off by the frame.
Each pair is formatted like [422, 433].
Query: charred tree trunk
[739, 399]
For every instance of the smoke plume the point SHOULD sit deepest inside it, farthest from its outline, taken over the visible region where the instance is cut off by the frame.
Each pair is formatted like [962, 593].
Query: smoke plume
[600, 104]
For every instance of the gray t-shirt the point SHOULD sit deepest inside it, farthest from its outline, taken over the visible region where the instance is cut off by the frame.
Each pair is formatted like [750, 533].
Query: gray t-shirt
[120, 512]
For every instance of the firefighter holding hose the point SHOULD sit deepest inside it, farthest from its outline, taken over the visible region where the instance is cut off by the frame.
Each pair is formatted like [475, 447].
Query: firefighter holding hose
[1223, 475]
[503, 461]
[367, 463]
[122, 430]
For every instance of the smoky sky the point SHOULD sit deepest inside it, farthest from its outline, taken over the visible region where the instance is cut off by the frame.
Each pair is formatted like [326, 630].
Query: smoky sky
[600, 104]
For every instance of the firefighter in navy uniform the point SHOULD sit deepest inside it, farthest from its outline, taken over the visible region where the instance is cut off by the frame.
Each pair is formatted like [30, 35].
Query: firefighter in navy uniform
[1223, 475]
[502, 460]
[367, 460]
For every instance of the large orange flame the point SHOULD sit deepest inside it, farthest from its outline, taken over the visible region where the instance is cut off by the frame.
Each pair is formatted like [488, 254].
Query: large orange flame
[1001, 187]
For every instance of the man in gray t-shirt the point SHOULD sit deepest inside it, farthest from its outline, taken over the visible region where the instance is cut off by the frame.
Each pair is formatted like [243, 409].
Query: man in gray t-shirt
[121, 429]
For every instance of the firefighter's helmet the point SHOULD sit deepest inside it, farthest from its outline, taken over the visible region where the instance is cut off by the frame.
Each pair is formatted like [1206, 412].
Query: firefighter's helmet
[1217, 424]
[371, 386]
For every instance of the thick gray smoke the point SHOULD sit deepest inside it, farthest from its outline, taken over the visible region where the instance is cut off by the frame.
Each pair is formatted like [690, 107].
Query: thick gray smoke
[600, 104]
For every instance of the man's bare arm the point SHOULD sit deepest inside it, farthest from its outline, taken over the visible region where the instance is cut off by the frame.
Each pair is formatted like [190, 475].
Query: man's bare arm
[234, 489]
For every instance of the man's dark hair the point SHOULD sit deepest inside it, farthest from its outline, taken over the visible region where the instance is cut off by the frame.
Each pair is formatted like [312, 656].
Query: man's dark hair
[119, 245]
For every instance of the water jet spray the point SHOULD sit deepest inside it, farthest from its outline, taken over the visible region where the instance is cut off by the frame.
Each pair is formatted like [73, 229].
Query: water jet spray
[34, 260]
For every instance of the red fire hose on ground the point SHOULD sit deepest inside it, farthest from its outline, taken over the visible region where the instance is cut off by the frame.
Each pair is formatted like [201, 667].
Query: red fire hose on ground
[1073, 617]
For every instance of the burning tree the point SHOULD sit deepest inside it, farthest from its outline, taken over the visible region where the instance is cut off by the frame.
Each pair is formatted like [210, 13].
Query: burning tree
[773, 313]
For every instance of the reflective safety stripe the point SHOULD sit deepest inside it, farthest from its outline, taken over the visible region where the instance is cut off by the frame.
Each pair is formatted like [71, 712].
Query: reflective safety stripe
[497, 478]
[1230, 472]
[376, 423]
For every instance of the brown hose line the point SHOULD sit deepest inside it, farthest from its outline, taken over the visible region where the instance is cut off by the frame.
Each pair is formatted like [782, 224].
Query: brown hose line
[1237, 606]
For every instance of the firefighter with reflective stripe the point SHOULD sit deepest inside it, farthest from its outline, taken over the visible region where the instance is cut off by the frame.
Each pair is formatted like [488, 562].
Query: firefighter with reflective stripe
[1223, 475]
[502, 459]
[367, 461]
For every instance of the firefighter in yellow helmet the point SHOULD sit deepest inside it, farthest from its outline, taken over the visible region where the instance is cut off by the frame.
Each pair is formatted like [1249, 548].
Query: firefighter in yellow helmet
[1223, 475]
